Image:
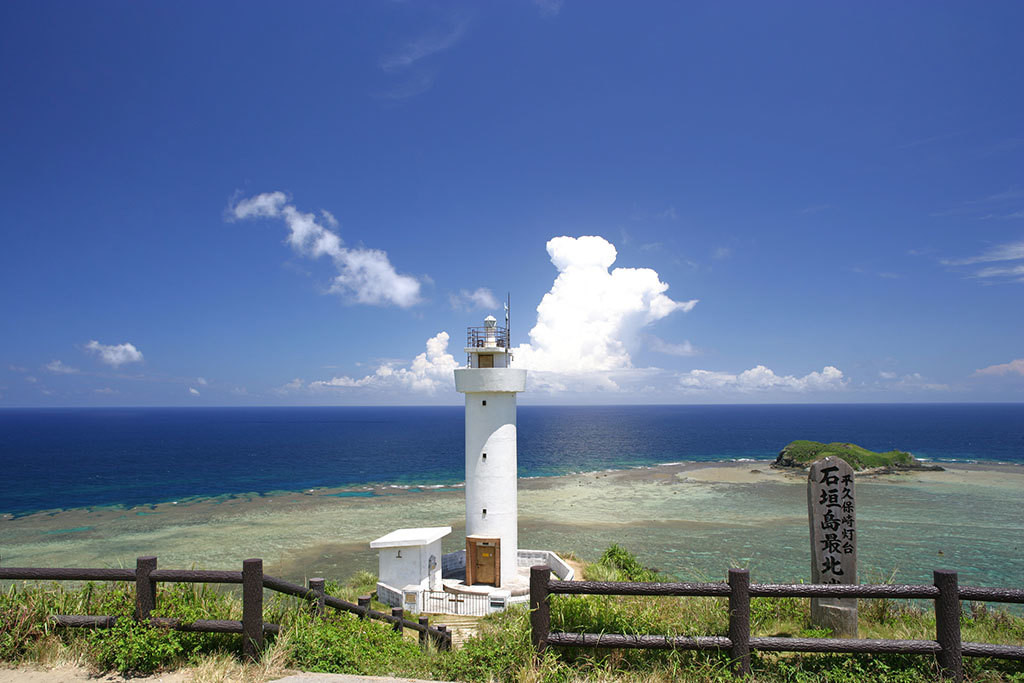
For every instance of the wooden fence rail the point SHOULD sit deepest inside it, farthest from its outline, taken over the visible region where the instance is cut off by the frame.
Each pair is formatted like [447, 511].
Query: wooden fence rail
[146, 576]
[947, 646]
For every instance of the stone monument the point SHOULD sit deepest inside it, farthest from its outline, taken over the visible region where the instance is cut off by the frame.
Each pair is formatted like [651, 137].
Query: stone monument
[832, 514]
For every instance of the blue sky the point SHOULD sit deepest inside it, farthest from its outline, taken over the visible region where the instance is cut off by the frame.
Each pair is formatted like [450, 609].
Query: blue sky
[307, 203]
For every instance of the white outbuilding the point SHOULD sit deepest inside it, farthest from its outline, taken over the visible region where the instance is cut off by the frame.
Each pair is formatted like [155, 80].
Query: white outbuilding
[410, 561]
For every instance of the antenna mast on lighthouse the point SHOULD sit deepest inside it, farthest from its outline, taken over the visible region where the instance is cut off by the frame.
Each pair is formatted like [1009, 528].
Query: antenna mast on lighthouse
[508, 327]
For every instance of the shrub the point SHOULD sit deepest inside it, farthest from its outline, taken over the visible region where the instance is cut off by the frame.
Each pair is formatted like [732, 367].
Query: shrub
[342, 643]
[133, 647]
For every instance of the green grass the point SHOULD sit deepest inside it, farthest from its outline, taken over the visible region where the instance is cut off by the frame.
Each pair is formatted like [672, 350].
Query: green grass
[342, 643]
[807, 452]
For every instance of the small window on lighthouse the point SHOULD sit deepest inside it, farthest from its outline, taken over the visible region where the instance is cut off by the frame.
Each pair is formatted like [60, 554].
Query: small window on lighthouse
[485, 456]
[486, 360]
[483, 403]
[485, 511]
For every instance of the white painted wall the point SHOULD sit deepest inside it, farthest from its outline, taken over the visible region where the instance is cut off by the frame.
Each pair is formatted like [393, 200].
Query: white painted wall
[413, 567]
[491, 481]
[400, 566]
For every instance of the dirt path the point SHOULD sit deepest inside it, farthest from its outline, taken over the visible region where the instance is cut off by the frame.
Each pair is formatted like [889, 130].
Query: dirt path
[76, 674]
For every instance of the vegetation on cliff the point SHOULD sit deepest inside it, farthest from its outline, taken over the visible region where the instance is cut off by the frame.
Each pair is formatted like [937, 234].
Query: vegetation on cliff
[801, 453]
[501, 651]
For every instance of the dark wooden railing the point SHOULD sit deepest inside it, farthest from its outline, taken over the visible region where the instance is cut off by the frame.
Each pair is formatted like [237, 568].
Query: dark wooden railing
[252, 627]
[947, 646]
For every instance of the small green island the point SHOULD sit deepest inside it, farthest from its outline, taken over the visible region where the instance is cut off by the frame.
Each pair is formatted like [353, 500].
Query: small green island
[801, 453]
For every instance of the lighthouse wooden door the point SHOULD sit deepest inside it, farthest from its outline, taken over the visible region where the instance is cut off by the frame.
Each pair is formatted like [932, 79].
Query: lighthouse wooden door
[483, 563]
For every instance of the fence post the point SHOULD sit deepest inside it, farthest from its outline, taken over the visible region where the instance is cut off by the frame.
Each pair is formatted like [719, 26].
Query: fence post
[364, 602]
[252, 608]
[424, 622]
[739, 619]
[145, 588]
[317, 586]
[540, 609]
[445, 642]
[947, 624]
[400, 613]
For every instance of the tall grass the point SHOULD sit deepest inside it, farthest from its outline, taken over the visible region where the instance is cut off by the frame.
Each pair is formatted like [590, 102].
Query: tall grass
[501, 651]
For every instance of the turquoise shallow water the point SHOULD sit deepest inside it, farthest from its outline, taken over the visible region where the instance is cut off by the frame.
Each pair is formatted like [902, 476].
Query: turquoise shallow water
[692, 521]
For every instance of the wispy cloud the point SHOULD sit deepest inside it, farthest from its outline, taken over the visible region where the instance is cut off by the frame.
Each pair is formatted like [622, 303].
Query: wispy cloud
[58, 367]
[661, 346]
[193, 391]
[668, 214]
[1014, 367]
[480, 298]
[364, 275]
[1004, 252]
[1001, 271]
[289, 387]
[1002, 216]
[409, 61]
[913, 381]
[425, 45]
[415, 85]
[549, 8]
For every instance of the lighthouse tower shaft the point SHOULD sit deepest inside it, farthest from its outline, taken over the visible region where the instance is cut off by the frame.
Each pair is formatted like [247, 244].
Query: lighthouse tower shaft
[490, 386]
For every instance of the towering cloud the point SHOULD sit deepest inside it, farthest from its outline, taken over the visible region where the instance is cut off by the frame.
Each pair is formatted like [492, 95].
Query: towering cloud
[590, 319]
[364, 275]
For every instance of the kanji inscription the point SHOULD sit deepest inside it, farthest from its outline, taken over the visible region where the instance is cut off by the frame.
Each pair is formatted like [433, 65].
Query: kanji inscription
[832, 512]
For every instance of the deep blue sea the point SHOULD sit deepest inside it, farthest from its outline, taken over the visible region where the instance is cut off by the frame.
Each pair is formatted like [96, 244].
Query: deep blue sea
[69, 458]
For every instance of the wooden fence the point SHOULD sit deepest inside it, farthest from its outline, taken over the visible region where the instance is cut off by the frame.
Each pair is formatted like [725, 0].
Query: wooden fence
[252, 627]
[947, 594]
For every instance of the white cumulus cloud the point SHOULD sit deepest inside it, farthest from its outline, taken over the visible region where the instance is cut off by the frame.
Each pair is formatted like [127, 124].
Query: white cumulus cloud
[193, 391]
[428, 372]
[115, 354]
[590, 319]
[761, 378]
[364, 275]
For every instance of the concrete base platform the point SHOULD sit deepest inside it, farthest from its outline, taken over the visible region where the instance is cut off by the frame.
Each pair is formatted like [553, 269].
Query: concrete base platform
[456, 583]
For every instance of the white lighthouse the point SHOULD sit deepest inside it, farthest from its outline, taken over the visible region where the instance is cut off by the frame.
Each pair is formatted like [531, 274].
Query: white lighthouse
[492, 572]
[490, 386]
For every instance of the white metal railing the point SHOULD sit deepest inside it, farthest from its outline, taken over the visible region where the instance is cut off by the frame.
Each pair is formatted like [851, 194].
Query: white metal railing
[465, 604]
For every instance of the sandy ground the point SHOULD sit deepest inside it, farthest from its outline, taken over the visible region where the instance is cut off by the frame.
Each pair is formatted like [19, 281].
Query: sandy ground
[80, 675]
